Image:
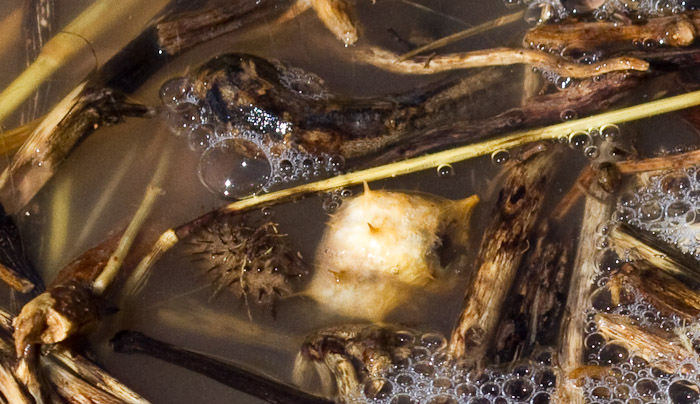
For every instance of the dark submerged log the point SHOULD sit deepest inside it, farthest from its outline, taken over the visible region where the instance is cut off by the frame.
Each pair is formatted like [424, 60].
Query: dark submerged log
[15, 268]
[257, 386]
[538, 302]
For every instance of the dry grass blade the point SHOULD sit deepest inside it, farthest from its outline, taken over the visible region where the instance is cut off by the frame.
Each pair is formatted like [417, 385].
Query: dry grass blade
[498, 57]
[479, 29]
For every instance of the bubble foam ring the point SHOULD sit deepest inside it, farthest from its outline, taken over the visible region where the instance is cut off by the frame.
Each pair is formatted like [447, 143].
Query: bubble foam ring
[668, 207]
[430, 375]
[638, 8]
[191, 117]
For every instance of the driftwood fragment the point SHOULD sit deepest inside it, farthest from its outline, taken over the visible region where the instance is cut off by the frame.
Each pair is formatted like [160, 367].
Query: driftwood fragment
[675, 30]
[652, 345]
[225, 373]
[571, 355]
[538, 302]
[639, 243]
[503, 246]
[179, 32]
[80, 113]
[666, 293]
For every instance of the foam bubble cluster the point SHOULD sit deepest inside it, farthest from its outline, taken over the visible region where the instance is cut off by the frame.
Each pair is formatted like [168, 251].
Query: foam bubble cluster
[669, 208]
[426, 373]
[639, 8]
[266, 163]
[666, 208]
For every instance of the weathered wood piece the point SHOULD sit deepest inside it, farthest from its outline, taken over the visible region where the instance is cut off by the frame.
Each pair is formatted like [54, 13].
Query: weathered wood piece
[503, 246]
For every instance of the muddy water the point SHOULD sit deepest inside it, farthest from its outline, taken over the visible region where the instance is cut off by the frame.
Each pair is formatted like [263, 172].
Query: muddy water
[99, 187]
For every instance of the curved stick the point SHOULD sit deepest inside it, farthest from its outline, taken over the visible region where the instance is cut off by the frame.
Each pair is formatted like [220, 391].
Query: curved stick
[499, 57]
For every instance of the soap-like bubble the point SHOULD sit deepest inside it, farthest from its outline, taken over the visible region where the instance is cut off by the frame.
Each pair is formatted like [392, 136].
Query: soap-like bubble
[234, 169]
[667, 207]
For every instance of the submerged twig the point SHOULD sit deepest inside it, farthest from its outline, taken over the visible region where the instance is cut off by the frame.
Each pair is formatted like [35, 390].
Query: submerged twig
[227, 374]
[676, 30]
[583, 98]
[183, 31]
[664, 292]
[651, 345]
[627, 239]
[499, 57]
[571, 355]
[77, 115]
[502, 248]
[476, 30]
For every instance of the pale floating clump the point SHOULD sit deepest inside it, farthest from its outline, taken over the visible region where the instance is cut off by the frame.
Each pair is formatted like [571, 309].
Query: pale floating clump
[380, 245]
[253, 262]
[669, 207]
[394, 365]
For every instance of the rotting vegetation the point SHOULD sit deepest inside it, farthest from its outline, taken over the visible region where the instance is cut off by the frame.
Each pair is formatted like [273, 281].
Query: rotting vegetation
[545, 317]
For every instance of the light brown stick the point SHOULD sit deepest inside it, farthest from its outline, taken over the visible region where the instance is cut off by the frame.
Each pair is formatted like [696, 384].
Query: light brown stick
[676, 30]
[574, 322]
[666, 293]
[503, 246]
[498, 57]
[651, 345]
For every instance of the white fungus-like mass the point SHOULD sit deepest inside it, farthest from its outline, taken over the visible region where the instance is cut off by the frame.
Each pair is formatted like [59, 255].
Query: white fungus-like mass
[380, 245]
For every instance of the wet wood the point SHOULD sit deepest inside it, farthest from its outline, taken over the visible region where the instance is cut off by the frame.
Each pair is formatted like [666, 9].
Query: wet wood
[87, 108]
[571, 355]
[182, 31]
[15, 268]
[503, 245]
[70, 375]
[667, 294]
[68, 303]
[583, 98]
[651, 344]
[538, 302]
[665, 257]
[675, 30]
[257, 386]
